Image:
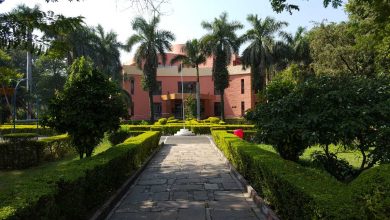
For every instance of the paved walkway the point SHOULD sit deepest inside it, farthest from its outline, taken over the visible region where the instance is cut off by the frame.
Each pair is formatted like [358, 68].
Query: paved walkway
[186, 180]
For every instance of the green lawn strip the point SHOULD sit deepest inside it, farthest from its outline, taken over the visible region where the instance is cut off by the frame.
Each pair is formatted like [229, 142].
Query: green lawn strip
[21, 192]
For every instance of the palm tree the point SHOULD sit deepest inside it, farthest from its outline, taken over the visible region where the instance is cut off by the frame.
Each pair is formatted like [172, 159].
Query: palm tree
[109, 55]
[261, 53]
[153, 43]
[299, 46]
[221, 42]
[194, 57]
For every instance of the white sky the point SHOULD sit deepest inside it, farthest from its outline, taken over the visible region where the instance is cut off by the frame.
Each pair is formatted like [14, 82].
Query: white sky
[182, 17]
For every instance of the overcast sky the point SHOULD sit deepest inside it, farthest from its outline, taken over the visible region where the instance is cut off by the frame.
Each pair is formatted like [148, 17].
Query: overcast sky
[182, 17]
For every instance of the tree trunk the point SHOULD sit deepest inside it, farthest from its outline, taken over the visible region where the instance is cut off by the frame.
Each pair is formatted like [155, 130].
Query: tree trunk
[197, 94]
[151, 105]
[222, 105]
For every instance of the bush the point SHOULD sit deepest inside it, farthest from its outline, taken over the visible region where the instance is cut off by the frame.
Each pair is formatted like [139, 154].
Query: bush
[8, 129]
[213, 120]
[162, 121]
[299, 192]
[339, 168]
[57, 147]
[23, 152]
[17, 137]
[81, 187]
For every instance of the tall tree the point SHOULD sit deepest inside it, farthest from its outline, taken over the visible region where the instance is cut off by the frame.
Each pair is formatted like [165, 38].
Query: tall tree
[153, 45]
[17, 30]
[299, 46]
[334, 51]
[221, 42]
[194, 57]
[259, 55]
[108, 53]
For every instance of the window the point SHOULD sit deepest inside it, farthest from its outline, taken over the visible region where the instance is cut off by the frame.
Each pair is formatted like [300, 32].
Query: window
[157, 109]
[132, 86]
[242, 86]
[189, 87]
[242, 108]
[158, 89]
[217, 108]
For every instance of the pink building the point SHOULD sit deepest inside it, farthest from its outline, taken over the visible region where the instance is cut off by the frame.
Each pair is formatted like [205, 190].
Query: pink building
[167, 99]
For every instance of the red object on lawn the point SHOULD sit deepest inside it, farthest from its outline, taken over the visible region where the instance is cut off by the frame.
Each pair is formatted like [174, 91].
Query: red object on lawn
[239, 133]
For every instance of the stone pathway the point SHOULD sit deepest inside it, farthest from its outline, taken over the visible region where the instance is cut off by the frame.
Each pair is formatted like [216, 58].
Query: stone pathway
[187, 180]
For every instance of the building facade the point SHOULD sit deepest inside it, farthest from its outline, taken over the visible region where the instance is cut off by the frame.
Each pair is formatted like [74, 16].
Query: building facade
[167, 97]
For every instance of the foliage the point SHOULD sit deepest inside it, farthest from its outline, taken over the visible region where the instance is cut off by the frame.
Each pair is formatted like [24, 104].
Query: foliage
[81, 187]
[280, 121]
[16, 137]
[153, 44]
[221, 42]
[262, 53]
[334, 51]
[190, 107]
[23, 150]
[89, 106]
[213, 120]
[339, 168]
[162, 121]
[8, 128]
[288, 187]
[370, 23]
[328, 110]
[283, 5]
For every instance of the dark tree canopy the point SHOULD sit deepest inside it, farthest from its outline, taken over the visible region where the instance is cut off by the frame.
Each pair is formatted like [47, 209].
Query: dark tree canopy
[283, 5]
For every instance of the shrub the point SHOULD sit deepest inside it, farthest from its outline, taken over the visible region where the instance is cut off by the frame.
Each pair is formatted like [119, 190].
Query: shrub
[213, 120]
[81, 187]
[8, 129]
[21, 153]
[299, 192]
[17, 137]
[57, 147]
[162, 121]
[98, 107]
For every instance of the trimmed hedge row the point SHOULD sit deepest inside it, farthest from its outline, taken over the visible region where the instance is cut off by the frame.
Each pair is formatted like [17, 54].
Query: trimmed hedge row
[75, 189]
[7, 129]
[170, 129]
[298, 192]
[22, 153]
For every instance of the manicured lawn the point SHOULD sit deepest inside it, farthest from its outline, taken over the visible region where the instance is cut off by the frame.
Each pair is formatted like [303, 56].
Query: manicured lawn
[11, 180]
[353, 157]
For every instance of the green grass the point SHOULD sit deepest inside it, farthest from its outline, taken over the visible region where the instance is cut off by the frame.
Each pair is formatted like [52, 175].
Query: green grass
[12, 180]
[354, 158]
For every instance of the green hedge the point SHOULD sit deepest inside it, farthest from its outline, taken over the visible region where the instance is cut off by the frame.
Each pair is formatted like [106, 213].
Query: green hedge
[25, 152]
[7, 129]
[170, 129]
[80, 186]
[298, 192]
